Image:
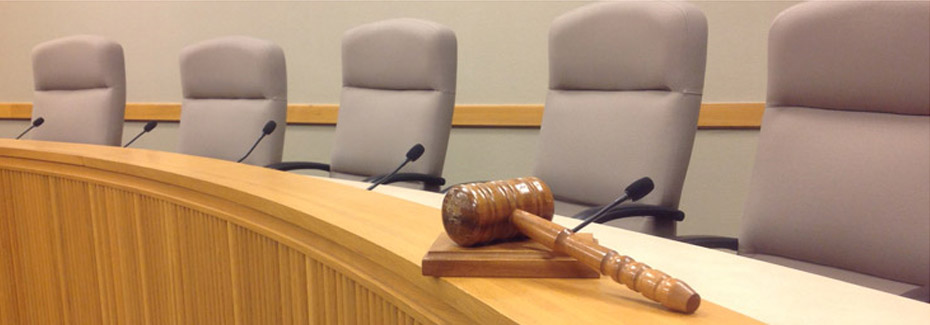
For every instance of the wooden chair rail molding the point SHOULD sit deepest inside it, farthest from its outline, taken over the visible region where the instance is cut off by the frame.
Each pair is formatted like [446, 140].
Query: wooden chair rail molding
[92, 234]
[712, 116]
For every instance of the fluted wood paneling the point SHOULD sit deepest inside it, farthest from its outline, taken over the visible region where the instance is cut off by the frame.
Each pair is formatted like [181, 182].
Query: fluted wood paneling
[161, 269]
[9, 307]
[42, 278]
[79, 251]
[71, 211]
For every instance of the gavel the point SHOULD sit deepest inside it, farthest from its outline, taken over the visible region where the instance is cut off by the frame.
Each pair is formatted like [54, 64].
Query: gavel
[481, 213]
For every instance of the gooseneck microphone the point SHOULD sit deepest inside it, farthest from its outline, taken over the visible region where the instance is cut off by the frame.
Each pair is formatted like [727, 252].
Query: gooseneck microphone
[148, 127]
[634, 192]
[34, 125]
[269, 127]
[412, 155]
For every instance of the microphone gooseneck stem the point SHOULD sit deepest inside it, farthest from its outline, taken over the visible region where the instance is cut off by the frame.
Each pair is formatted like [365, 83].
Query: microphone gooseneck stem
[134, 139]
[253, 148]
[600, 212]
[24, 132]
[385, 178]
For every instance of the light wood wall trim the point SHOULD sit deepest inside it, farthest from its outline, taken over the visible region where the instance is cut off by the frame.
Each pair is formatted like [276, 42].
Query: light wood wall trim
[153, 112]
[731, 115]
[712, 116]
[324, 114]
[519, 115]
[15, 111]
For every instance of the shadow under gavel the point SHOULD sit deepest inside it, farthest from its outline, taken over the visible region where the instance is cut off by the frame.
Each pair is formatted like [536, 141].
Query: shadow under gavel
[479, 213]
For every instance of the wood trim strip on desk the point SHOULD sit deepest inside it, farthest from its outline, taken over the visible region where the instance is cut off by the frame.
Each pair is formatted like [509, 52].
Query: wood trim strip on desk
[712, 116]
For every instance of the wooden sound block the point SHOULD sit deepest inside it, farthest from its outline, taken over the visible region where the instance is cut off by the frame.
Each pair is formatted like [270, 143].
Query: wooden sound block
[515, 259]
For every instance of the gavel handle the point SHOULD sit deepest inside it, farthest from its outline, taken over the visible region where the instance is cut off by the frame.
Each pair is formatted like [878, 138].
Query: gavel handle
[639, 277]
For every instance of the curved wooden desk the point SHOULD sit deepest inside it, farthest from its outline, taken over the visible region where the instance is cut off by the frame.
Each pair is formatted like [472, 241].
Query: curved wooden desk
[92, 234]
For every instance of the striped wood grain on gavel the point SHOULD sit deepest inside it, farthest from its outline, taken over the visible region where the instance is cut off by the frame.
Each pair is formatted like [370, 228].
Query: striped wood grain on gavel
[479, 213]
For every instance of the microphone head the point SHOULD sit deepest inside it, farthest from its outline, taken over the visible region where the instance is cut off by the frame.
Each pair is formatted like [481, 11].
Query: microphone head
[415, 152]
[149, 126]
[269, 127]
[639, 188]
[38, 121]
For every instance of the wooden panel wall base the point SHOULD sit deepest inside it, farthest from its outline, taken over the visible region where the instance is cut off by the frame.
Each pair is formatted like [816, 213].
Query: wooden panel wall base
[516, 259]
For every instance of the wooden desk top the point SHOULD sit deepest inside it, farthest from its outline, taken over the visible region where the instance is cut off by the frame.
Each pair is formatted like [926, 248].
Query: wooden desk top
[767, 292]
[395, 234]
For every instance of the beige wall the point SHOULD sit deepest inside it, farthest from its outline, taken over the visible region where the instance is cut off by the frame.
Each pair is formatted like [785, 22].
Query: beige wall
[502, 60]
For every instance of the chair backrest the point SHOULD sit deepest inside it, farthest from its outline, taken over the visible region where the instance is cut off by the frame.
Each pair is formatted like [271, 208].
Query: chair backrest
[232, 87]
[80, 90]
[842, 174]
[398, 80]
[625, 83]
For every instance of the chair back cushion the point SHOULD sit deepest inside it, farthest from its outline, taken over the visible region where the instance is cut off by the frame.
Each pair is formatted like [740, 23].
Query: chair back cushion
[232, 87]
[398, 90]
[842, 174]
[625, 83]
[80, 90]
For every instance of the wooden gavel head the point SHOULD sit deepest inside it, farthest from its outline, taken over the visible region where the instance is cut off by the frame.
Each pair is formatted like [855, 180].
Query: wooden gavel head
[479, 213]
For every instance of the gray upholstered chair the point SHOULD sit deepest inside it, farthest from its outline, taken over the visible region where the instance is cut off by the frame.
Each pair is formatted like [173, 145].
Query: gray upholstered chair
[841, 185]
[625, 83]
[398, 80]
[80, 90]
[232, 87]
